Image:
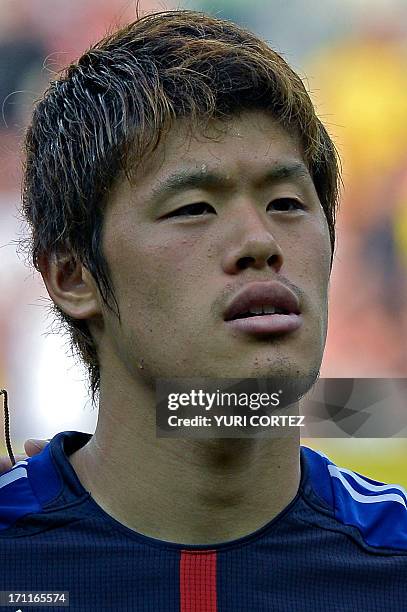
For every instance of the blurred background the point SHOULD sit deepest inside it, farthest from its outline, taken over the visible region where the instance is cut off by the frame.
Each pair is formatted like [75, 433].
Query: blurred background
[352, 55]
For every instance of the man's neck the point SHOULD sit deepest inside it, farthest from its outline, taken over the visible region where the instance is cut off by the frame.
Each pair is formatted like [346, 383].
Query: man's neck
[187, 491]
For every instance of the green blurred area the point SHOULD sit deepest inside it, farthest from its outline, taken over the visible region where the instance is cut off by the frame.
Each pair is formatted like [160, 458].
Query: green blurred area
[384, 460]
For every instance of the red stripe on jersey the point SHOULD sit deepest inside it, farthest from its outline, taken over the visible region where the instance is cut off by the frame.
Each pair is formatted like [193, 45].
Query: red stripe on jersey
[198, 581]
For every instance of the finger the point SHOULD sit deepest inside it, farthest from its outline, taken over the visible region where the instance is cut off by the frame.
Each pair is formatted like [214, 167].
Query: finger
[33, 446]
[5, 463]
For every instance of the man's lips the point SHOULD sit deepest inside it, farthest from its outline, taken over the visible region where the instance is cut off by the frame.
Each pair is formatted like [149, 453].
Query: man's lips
[264, 325]
[264, 295]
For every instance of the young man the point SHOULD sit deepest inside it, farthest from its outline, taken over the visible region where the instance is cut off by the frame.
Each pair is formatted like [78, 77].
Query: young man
[176, 176]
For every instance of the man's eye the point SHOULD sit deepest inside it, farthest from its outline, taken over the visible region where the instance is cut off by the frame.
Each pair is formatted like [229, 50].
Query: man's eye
[283, 204]
[199, 209]
[192, 210]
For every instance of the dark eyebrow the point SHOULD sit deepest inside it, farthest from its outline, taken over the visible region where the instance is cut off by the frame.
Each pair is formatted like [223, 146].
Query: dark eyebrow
[187, 179]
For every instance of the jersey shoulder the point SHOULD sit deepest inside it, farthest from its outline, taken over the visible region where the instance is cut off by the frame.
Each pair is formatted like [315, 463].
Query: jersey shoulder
[376, 509]
[27, 487]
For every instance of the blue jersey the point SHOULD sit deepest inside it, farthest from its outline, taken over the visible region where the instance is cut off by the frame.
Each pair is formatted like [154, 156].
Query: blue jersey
[339, 546]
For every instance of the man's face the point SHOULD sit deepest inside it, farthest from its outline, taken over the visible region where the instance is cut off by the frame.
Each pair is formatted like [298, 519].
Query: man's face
[177, 259]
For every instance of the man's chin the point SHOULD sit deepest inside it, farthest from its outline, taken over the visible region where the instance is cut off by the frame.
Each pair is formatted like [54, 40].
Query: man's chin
[269, 367]
[302, 377]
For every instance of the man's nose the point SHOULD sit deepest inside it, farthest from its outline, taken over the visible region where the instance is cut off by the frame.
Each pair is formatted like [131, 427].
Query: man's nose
[253, 243]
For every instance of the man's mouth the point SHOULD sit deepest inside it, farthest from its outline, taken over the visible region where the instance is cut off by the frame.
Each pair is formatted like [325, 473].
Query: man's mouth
[260, 311]
[266, 307]
[266, 324]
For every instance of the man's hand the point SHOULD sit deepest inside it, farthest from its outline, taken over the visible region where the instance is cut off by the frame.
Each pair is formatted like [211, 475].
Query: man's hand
[32, 447]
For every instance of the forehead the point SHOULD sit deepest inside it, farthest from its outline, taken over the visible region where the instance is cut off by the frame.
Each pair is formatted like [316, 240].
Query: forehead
[247, 144]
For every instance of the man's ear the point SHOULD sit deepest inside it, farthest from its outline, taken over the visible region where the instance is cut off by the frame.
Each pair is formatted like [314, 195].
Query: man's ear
[71, 286]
